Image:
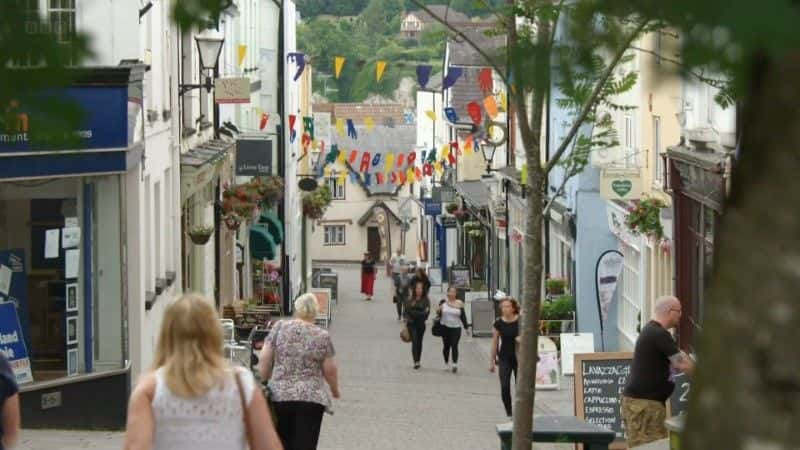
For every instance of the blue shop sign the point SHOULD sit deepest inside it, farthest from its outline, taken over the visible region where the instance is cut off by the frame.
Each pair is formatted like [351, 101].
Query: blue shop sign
[106, 113]
[432, 208]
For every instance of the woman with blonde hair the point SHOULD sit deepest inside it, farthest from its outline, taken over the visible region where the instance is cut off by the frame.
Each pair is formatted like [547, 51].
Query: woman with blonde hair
[297, 359]
[194, 400]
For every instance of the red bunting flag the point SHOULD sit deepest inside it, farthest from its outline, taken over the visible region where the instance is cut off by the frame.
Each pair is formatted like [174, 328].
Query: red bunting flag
[454, 148]
[418, 172]
[451, 158]
[264, 120]
[474, 110]
[393, 177]
[411, 158]
[427, 169]
[401, 176]
[379, 177]
[365, 160]
[485, 82]
[353, 157]
[400, 159]
[292, 119]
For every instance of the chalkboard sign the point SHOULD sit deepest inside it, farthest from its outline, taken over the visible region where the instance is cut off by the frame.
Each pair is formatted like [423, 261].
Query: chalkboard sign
[599, 380]
[330, 281]
[679, 401]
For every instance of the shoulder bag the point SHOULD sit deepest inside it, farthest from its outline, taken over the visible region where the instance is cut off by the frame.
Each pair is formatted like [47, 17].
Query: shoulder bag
[245, 412]
[437, 329]
[405, 335]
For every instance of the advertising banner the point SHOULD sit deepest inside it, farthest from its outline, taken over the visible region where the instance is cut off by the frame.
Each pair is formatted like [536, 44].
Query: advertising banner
[12, 343]
[607, 272]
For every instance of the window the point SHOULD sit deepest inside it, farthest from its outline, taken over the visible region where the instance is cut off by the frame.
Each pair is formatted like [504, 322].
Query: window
[336, 187]
[630, 293]
[630, 157]
[61, 14]
[334, 235]
[658, 161]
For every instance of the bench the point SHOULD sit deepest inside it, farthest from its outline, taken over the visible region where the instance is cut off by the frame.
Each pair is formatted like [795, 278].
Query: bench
[561, 429]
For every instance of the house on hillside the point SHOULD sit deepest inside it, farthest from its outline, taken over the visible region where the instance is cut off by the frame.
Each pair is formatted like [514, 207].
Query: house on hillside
[365, 215]
[415, 22]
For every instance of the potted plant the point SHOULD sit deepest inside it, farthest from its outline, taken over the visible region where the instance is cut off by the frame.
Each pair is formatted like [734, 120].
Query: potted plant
[555, 286]
[316, 202]
[554, 313]
[645, 218]
[201, 234]
[451, 208]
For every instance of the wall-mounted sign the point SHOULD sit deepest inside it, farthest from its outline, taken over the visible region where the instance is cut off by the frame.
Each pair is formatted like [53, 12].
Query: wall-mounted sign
[621, 184]
[432, 208]
[253, 157]
[232, 90]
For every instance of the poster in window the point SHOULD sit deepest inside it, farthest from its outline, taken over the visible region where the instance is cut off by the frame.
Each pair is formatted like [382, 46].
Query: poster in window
[72, 330]
[72, 362]
[72, 297]
[459, 277]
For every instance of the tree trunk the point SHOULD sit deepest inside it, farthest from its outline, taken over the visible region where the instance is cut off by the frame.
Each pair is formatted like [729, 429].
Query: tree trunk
[531, 303]
[746, 392]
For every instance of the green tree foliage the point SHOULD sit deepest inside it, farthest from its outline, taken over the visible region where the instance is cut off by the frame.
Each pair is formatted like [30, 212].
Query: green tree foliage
[314, 8]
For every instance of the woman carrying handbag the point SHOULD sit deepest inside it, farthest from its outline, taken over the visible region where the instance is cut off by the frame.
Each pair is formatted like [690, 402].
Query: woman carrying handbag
[452, 318]
[417, 310]
[194, 400]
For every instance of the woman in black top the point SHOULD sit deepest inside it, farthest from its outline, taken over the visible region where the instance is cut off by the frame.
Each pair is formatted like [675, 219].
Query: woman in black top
[421, 276]
[417, 310]
[506, 330]
[367, 276]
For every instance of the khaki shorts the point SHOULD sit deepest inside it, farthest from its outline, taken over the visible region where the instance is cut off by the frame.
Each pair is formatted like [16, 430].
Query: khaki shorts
[644, 420]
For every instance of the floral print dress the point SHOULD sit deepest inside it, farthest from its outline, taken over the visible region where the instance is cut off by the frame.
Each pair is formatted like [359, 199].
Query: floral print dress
[299, 350]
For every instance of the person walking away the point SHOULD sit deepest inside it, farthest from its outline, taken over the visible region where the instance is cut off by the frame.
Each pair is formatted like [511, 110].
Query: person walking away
[421, 276]
[9, 401]
[298, 360]
[504, 348]
[402, 291]
[453, 317]
[649, 383]
[417, 309]
[367, 276]
[194, 400]
[398, 261]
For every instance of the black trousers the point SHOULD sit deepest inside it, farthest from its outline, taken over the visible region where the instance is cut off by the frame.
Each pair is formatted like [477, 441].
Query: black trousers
[450, 340]
[417, 331]
[299, 424]
[505, 369]
[398, 303]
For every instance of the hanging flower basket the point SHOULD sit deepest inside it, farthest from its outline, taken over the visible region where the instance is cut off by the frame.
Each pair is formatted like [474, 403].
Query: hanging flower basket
[232, 221]
[645, 218]
[200, 235]
[451, 208]
[316, 202]
[270, 189]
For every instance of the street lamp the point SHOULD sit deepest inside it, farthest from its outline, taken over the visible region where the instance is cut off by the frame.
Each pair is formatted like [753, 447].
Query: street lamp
[209, 47]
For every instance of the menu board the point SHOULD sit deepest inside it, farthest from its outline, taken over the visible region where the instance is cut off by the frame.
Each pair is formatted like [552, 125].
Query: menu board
[330, 281]
[599, 380]
[679, 400]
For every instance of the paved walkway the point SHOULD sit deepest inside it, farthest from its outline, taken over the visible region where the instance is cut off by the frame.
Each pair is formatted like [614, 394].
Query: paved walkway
[385, 404]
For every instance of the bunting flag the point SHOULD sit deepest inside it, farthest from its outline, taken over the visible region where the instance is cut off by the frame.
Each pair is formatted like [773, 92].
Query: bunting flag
[468, 145]
[308, 126]
[474, 110]
[300, 60]
[367, 179]
[438, 167]
[242, 53]
[401, 177]
[400, 158]
[389, 161]
[353, 157]
[485, 81]
[410, 175]
[292, 131]
[365, 160]
[355, 177]
[393, 177]
[351, 129]
[343, 176]
[327, 171]
[427, 169]
[423, 75]
[453, 74]
[418, 173]
[340, 127]
[432, 155]
[490, 105]
[338, 64]
[369, 123]
[380, 67]
[503, 101]
[376, 159]
[332, 155]
[264, 119]
[451, 158]
[455, 148]
[431, 115]
[342, 158]
[523, 175]
[412, 158]
[451, 115]
[305, 142]
[379, 177]
[445, 153]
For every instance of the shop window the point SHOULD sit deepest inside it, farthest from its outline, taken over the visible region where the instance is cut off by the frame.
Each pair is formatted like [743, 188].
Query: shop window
[334, 235]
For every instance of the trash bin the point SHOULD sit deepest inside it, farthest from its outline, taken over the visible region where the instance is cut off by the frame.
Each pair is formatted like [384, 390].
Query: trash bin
[482, 317]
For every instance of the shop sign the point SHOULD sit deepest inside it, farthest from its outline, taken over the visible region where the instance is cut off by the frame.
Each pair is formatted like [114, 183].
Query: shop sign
[443, 194]
[253, 157]
[432, 208]
[232, 90]
[108, 121]
[12, 343]
[620, 184]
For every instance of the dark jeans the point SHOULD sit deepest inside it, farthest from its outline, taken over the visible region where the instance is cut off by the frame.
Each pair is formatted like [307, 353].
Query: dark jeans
[505, 369]
[398, 303]
[299, 424]
[450, 340]
[417, 330]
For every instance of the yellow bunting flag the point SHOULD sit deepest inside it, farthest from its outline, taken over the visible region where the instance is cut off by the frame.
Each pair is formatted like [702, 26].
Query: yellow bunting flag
[327, 171]
[342, 157]
[523, 175]
[410, 175]
[369, 123]
[380, 67]
[340, 127]
[338, 64]
[490, 104]
[343, 176]
[503, 101]
[389, 162]
[242, 53]
[445, 153]
[438, 167]
[431, 115]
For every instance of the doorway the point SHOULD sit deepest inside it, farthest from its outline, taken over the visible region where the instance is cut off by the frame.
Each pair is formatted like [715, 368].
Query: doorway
[374, 243]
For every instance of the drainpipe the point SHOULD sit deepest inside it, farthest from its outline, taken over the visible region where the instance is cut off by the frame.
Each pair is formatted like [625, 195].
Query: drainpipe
[282, 151]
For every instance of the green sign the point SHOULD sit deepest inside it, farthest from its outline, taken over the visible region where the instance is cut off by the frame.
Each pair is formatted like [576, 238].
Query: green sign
[621, 187]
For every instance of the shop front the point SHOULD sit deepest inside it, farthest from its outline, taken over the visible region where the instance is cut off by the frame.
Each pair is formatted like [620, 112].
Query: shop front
[62, 261]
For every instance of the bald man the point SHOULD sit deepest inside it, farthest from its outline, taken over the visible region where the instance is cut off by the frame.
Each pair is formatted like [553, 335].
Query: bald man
[649, 386]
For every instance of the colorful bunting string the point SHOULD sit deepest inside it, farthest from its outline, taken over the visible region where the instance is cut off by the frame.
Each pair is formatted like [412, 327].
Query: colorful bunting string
[423, 75]
[453, 74]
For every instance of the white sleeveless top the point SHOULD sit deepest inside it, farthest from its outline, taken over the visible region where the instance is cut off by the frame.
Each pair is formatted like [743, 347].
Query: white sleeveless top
[214, 421]
[451, 316]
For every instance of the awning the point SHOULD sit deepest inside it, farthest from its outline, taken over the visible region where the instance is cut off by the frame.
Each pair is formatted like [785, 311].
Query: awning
[269, 218]
[205, 153]
[379, 204]
[474, 192]
[262, 244]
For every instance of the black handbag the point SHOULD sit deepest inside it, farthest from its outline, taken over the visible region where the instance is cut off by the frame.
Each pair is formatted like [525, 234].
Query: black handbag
[437, 329]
